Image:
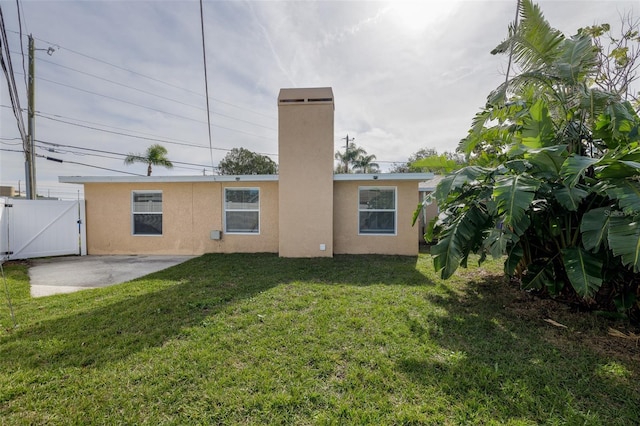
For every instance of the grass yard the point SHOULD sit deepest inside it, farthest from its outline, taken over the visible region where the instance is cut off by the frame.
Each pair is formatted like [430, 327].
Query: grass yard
[255, 340]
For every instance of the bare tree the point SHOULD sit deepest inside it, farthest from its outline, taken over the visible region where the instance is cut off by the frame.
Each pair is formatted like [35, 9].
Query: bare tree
[618, 57]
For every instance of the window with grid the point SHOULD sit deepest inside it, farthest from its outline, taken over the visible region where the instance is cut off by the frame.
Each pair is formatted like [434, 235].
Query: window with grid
[377, 210]
[242, 210]
[146, 212]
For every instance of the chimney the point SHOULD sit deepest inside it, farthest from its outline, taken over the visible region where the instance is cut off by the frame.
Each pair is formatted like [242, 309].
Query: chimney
[305, 167]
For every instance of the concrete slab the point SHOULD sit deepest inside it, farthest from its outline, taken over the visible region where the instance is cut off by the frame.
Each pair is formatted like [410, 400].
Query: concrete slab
[67, 274]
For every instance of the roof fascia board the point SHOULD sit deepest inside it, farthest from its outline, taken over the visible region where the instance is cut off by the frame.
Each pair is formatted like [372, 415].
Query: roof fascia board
[382, 176]
[167, 179]
[241, 178]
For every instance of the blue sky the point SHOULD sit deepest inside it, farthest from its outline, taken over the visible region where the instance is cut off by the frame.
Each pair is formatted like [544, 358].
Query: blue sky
[125, 74]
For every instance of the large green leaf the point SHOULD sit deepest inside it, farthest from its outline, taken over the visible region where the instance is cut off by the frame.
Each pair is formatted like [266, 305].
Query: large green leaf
[574, 168]
[514, 195]
[570, 197]
[627, 194]
[583, 269]
[547, 160]
[497, 242]
[514, 257]
[537, 127]
[619, 169]
[617, 125]
[624, 240]
[454, 181]
[595, 227]
[534, 42]
[541, 275]
[578, 59]
[454, 241]
[429, 230]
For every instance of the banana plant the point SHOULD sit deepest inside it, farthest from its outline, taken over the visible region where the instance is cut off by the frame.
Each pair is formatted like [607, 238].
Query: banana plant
[559, 196]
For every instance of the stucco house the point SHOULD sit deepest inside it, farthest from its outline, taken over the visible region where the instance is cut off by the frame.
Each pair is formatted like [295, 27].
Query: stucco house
[304, 211]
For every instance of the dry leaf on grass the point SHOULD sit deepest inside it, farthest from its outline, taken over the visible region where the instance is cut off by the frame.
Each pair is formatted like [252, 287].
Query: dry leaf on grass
[557, 324]
[620, 334]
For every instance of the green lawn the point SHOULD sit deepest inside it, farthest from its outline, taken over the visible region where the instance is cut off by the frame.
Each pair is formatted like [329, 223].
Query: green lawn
[255, 339]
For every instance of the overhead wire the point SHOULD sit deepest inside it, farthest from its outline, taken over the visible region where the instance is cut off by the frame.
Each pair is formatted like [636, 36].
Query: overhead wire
[206, 83]
[146, 92]
[150, 108]
[175, 86]
[93, 152]
[113, 98]
[24, 66]
[10, 139]
[148, 137]
[168, 141]
[74, 162]
[7, 68]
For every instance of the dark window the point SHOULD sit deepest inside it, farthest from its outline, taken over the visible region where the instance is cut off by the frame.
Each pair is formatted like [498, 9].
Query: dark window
[377, 210]
[147, 213]
[242, 210]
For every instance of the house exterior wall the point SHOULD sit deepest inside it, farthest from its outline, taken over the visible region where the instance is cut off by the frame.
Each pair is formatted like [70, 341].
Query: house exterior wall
[190, 210]
[305, 211]
[346, 239]
[305, 167]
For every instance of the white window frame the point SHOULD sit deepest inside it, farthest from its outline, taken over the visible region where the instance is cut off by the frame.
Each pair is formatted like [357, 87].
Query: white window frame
[225, 210]
[394, 210]
[133, 212]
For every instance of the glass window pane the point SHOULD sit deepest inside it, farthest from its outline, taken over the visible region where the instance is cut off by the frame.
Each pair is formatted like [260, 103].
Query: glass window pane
[147, 202]
[147, 224]
[243, 222]
[377, 222]
[242, 199]
[377, 199]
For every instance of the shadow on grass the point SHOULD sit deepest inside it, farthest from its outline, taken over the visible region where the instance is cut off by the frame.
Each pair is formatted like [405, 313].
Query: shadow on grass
[148, 312]
[503, 360]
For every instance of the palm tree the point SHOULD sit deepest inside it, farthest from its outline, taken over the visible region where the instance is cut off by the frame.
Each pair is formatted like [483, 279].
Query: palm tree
[365, 164]
[155, 155]
[349, 157]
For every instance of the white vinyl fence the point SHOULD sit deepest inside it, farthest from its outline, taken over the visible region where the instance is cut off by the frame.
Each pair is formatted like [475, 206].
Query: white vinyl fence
[40, 228]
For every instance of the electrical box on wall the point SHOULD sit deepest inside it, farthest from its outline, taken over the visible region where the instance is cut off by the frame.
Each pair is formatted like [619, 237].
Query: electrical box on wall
[216, 235]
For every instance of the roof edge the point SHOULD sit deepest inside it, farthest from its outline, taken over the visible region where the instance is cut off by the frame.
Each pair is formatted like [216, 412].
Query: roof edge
[167, 179]
[383, 176]
[418, 177]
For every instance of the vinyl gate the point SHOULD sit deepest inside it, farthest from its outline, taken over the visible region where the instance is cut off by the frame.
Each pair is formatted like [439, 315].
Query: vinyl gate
[40, 228]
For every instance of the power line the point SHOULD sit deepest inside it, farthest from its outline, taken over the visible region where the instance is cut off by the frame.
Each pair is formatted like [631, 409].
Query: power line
[93, 150]
[206, 84]
[149, 137]
[151, 78]
[155, 94]
[155, 138]
[193, 145]
[150, 108]
[24, 68]
[98, 167]
[74, 162]
[7, 68]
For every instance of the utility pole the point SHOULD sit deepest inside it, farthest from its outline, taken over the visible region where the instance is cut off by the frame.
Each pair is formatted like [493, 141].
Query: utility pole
[30, 149]
[346, 154]
[30, 155]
